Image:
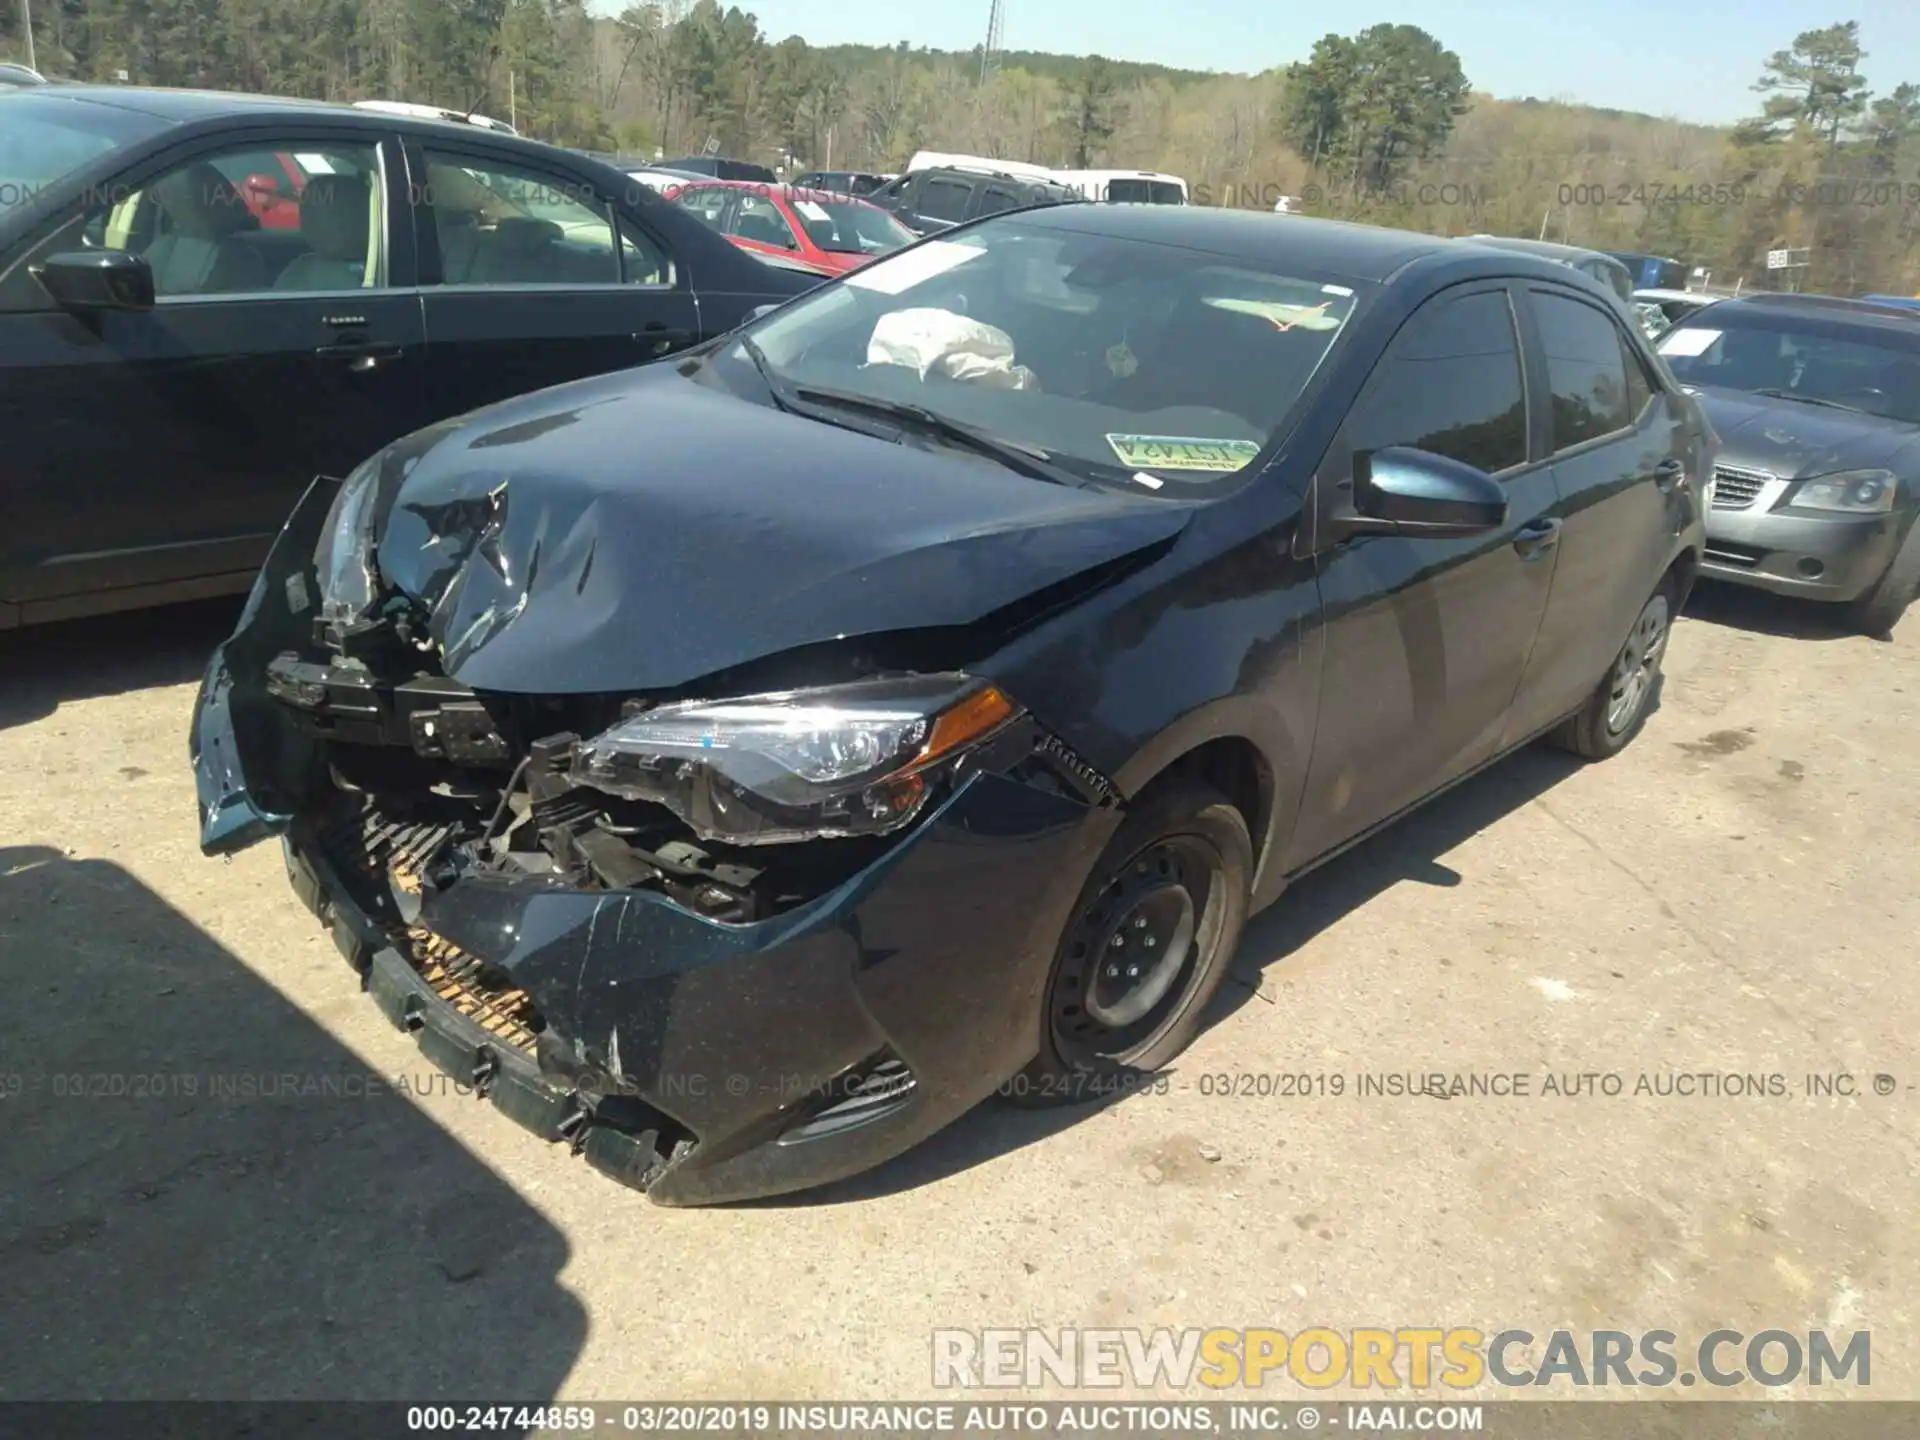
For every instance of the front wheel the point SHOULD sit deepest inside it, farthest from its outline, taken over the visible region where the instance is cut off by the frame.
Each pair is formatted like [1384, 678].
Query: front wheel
[1149, 943]
[1880, 609]
[1621, 701]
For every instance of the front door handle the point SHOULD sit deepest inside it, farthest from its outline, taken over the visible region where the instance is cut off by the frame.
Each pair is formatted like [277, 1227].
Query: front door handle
[1668, 473]
[662, 337]
[1537, 538]
[361, 355]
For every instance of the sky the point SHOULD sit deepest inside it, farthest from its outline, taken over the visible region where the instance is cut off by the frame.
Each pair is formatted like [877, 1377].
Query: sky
[1695, 59]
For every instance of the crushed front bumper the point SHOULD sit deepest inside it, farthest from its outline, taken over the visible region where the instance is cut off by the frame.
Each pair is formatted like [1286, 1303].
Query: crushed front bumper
[699, 1061]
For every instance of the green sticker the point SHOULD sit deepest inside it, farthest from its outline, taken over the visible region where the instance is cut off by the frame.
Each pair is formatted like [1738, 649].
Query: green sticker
[1183, 452]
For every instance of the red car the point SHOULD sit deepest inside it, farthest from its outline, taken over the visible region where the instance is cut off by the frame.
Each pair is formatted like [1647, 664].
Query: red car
[824, 229]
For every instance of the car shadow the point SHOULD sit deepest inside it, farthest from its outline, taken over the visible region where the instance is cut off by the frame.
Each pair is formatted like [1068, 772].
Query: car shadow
[207, 1197]
[1409, 850]
[1740, 607]
[43, 667]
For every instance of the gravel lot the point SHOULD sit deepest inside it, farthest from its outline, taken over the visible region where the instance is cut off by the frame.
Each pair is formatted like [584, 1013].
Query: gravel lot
[1735, 894]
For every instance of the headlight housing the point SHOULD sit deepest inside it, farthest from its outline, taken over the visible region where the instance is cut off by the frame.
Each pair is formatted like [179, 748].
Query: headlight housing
[844, 760]
[1850, 492]
[343, 561]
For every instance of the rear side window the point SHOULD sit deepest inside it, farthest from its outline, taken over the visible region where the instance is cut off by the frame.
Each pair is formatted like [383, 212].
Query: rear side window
[1586, 370]
[996, 198]
[944, 200]
[1450, 385]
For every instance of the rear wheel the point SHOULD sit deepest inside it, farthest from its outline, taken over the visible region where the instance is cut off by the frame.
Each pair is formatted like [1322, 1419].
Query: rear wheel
[1880, 609]
[1149, 943]
[1619, 704]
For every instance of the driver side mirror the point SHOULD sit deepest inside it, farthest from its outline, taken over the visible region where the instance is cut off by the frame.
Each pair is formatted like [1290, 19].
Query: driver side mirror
[263, 187]
[1420, 495]
[88, 281]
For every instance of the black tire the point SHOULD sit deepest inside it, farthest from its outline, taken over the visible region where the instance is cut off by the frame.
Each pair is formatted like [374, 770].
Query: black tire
[1879, 610]
[1620, 703]
[1182, 838]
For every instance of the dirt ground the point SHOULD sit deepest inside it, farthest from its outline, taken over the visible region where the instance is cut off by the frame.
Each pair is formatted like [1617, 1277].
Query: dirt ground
[1736, 894]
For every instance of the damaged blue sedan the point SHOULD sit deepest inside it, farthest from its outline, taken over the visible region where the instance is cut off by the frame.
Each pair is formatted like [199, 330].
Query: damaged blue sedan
[739, 767]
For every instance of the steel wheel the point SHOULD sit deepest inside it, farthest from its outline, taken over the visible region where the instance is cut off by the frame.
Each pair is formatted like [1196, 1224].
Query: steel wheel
[1638, 667]
[1134, 949]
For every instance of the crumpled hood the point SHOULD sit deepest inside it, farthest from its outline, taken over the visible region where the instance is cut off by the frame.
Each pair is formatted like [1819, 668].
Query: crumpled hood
[1797, 441]
[638, 531]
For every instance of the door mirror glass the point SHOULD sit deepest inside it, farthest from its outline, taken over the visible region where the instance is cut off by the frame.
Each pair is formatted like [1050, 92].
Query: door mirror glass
[86, 281]
[1403, 491]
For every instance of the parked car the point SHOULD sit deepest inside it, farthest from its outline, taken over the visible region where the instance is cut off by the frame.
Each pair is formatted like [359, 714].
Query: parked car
[1126, 187]
[927, 201]
[175, 369]
[717, 168]
[1817, 402]
[841, 182]
[746, 765]
[1603, 268]
[832, 232]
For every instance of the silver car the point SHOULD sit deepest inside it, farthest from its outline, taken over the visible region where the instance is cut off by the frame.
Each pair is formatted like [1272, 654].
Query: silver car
[1817, 404]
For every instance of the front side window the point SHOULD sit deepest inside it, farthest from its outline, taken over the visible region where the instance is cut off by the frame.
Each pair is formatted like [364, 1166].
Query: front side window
[1586, 370]
[1815, 359]
[1450, 385]
[944, 200]
[205, 233]
[504, 225]
[758, 219]
[1116, 358]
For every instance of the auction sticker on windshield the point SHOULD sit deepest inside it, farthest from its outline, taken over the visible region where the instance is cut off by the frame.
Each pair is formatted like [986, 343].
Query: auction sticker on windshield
[1688, 343]
[902, 272]
[1183, 452]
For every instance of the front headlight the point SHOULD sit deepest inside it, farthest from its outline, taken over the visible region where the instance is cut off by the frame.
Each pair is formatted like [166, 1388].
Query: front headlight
[343, 561]
[1852, 492]
[844, 760]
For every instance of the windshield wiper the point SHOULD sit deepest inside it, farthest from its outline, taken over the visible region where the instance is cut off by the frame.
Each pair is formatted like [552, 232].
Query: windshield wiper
[1034, 463]
[1810, 400]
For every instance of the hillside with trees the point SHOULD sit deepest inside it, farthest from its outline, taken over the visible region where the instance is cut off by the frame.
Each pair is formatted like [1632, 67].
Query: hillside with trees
[1381, 126]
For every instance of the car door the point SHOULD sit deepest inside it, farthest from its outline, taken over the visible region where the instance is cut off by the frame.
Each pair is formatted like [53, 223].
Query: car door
[158, 451]
[1620, 442]
[533, 277]
[940, 200]
[1426, 640]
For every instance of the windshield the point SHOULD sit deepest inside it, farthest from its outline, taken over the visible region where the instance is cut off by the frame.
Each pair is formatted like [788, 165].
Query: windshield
[846, 227]
[1867, 369]
[1119, 360]
[1143, 192]
[44, 139]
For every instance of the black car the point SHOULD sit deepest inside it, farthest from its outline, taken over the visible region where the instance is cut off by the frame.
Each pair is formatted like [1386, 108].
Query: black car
[841, 182]
[927, 201]
[718, 168]
[1817, 490]
[742, 766]
[206, 300]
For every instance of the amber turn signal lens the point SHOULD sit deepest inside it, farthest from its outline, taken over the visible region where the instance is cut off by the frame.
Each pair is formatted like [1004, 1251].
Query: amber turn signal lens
[983, 711]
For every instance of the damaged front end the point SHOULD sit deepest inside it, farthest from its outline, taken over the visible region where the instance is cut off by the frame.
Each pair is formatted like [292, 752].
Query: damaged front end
[724, 939]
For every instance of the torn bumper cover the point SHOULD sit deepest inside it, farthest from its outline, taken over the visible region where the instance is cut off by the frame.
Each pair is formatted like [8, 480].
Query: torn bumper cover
[697, 1059]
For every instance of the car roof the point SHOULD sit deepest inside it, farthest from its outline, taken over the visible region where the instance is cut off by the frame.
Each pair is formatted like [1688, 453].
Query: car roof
[1364, 252]
[1654, 292]
[1546, 249]
[1863, 312]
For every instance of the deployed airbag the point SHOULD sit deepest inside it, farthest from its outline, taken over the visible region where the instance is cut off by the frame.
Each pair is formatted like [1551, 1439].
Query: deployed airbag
[939, 342]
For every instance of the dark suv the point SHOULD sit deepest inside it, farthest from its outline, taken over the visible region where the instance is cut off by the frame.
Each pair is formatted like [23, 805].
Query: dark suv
[720, 168]
[930, 200]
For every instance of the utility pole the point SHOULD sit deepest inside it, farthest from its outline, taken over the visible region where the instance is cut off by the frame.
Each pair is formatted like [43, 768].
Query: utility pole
[26, 20]
[513, 103]
[996, 28]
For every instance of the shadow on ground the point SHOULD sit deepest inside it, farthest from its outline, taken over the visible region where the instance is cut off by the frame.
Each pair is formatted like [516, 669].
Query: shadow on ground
[1763, 613]
[1407, 851]
[45, 666]
[204, 1196]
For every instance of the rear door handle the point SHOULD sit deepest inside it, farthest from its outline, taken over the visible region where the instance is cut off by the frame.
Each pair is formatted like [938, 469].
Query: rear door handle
[1537, 538]
[1668, 473]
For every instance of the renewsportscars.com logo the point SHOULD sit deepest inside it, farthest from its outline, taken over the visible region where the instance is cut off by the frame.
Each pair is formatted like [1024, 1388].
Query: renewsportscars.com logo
[1403, 1358]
